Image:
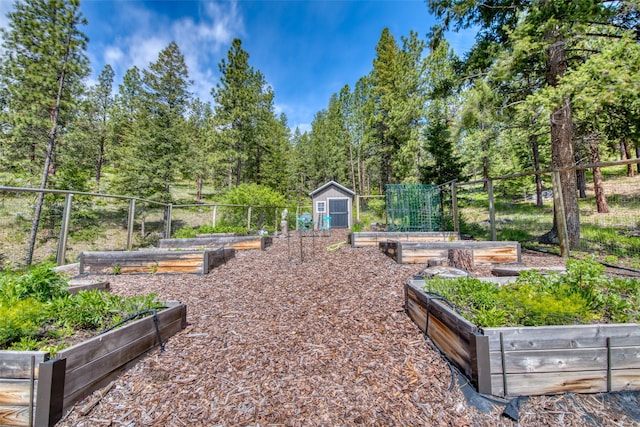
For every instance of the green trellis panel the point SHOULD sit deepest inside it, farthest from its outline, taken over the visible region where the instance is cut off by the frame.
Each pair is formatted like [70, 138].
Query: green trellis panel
[413, 207]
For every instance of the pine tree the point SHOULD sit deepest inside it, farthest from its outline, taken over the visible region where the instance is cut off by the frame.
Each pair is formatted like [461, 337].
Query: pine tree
[42, 74]
[153, 127]
[397, 95]
[442, 163]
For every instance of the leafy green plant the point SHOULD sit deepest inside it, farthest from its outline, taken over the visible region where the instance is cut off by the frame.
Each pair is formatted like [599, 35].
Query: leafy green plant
[584, 294]
[116, 269]
[21, 319]
[39, 282]
[357, 227]
[37, 311]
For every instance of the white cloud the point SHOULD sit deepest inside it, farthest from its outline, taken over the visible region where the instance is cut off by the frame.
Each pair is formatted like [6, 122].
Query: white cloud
[113, 55]
[145, 32]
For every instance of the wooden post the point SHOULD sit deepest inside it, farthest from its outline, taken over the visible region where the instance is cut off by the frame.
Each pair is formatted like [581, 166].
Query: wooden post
[50, 394]
[130, 221]
[167, 226]
[492, 211]
[561, 221]
[454, 207]
[64, 230]
[275, 225]
[480, 363]
[215, 210]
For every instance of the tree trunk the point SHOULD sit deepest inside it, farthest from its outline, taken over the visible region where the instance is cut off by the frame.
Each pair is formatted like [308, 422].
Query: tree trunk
[581, 181]
[562, 150]
[99, 162]
[598, 181]
[627, 152]
[199, 184]
[533, 141]
[49, 154]
[353, 169]
[461, 258]
[638, 157]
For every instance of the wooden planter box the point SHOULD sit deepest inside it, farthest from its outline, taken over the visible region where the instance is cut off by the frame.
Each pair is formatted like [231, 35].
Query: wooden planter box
[239, 243]
[421, 253]
[165, 261]
[523, 361]
[372, 238]
[77, 285]
[36, 391]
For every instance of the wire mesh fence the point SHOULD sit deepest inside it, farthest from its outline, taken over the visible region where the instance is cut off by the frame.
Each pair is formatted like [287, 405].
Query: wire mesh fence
[413, 207]
[508, 209]
[99, 222]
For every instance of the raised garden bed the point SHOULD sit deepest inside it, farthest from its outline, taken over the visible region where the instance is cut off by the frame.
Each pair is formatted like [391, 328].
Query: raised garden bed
[520, 361]
[422, 252]
[239, 243]
[77, 285]
[36, 391]
[164, 261]
[372, 238]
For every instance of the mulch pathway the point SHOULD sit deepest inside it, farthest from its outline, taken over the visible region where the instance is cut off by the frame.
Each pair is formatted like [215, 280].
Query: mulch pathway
[276, 338]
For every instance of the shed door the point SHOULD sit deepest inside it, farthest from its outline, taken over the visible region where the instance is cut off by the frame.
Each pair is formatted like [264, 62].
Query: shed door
[339, 212]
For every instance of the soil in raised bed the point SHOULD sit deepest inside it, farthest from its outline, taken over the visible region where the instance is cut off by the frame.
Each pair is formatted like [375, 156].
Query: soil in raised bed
[275, 341]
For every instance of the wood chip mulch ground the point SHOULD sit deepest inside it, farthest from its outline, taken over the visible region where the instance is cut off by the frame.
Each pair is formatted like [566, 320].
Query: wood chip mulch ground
[276, 338]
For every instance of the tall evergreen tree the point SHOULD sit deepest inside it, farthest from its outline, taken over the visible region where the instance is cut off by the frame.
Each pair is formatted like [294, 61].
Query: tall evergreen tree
[157, 136]
[243, 114]
[397, 96]
[85, 148]
[442, 163]
[198, 161]
[42, 73]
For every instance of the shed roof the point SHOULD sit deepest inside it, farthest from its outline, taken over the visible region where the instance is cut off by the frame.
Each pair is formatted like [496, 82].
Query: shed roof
[329, 184]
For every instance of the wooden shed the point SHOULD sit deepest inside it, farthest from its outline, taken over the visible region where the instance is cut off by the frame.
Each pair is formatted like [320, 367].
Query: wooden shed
[334, 200]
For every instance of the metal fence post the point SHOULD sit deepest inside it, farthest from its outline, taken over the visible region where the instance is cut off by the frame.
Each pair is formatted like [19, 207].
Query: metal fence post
[454, 207]
[357, 207]
[249, 219]
[64, 230]
[130, 222]
[215, 210]
[492, 210]
[167, 226]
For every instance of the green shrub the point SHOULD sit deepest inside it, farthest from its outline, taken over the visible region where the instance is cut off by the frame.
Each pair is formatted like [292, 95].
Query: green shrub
[251, 195]
[378, 206]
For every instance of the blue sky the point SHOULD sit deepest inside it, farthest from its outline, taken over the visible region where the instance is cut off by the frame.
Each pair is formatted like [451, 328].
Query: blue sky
[307, 50]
